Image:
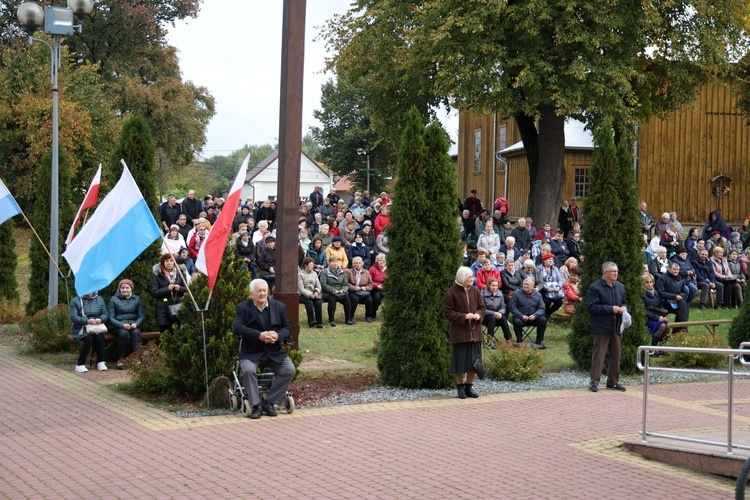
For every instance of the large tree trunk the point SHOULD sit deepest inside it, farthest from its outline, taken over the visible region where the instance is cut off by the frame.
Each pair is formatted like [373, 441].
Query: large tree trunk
[545, 154]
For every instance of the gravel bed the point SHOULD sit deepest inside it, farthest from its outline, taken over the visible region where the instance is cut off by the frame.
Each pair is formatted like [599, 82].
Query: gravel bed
[569, 379]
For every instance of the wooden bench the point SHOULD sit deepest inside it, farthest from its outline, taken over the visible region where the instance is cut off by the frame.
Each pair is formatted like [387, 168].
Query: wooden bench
[111, 338]
[710, 324]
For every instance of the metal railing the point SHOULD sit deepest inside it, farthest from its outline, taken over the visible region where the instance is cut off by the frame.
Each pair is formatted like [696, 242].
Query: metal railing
[643, 355]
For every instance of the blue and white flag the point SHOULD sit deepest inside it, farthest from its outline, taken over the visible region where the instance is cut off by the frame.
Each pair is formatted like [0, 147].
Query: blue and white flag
[8, 205]
[121, 228]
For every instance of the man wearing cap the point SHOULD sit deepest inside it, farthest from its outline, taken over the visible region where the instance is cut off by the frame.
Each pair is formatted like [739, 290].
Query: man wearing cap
[687, 273]
[473, 204]
[267, 262]
[241, 218]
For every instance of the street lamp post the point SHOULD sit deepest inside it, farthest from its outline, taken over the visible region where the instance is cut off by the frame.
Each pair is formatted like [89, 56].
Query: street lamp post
[56, 21]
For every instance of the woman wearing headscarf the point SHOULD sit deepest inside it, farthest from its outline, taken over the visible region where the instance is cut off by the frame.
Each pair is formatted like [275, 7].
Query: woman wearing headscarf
[88, 317]
[464, 309]
[716, 223]
[126, 315]
[167, 288]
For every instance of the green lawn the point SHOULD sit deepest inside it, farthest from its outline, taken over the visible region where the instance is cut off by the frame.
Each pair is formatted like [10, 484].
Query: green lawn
[356, 344]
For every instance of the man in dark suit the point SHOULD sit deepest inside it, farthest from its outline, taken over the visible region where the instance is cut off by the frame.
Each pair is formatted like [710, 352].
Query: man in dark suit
[605, 302]
[263, 326]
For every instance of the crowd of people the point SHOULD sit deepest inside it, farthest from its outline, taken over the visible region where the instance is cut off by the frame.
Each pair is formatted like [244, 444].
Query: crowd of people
[531, 273]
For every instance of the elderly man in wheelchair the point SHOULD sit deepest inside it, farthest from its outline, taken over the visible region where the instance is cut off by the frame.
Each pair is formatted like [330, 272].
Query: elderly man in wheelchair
[262, 325]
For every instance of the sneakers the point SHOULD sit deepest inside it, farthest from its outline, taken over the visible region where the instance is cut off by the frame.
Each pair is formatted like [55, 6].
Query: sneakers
[540, 345]
[616, 387]
[81, 369]
[101, 366]
[593, 388]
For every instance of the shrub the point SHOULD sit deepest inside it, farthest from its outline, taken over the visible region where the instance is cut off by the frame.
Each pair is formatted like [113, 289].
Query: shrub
[296, 357]
[148, 369]
[695, 360]
[514, 363]
[11, 311]
[49, 329]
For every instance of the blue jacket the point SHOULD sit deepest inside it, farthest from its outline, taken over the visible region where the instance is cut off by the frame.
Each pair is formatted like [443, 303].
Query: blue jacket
[600, 301]
[122, 310]
[685, 266]
[81, 310]
[704, 271]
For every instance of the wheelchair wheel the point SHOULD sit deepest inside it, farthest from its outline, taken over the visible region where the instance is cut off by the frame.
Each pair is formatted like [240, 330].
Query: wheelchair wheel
[233, 403]
[247, 408]
[289, 403]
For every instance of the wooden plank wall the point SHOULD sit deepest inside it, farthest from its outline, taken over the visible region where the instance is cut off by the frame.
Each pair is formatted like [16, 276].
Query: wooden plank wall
[678, 157]
[482, 181]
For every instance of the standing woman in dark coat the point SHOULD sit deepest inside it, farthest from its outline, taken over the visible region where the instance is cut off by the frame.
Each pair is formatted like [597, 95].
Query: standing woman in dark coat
[167, 288]
[464, 309]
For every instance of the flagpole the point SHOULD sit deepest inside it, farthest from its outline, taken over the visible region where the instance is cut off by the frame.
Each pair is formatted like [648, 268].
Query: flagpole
[184, 280]
[42, 243]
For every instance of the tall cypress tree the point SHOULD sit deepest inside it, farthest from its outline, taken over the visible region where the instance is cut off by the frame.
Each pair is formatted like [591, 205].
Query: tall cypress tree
[40, 217]
[8, 262]
[422, 260]
[184, 347]
[137, 148]
[611, 233]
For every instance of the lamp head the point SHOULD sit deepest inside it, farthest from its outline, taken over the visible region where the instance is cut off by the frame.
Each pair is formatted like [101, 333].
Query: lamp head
[31, 16]
[81, 7]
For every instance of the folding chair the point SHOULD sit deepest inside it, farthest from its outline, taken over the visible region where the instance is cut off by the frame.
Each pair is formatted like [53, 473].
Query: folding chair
[491, 339]
[528, 330]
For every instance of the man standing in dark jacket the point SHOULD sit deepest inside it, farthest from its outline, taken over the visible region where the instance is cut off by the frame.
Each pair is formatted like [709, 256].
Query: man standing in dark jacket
[263, 326]
[316, 198]
[523, 239]
[169, 212]
[605, 302]
[192, 207]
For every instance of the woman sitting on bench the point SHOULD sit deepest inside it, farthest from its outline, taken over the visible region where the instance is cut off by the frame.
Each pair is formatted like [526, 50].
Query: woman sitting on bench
[126, 314]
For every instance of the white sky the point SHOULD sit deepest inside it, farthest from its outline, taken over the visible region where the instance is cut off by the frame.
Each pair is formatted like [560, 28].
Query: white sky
[234, 49]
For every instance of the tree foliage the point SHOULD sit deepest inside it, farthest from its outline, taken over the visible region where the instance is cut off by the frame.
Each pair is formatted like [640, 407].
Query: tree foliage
[137, 149]
[611, 234]
[223, 169]
[347, 137]
[184, 347]
[38, 284]
[8, 262]
[414, 350]
[534, 60]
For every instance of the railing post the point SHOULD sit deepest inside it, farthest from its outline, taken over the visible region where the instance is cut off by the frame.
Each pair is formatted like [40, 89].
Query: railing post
[645, 396]
[730, 374]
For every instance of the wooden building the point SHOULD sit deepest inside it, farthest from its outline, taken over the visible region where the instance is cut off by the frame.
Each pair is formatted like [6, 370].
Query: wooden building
[693, 162]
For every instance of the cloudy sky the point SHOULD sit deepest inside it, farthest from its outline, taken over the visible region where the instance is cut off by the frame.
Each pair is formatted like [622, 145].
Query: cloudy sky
[234, 49]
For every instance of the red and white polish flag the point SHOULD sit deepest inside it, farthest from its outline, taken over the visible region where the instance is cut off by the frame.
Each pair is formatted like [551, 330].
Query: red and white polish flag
[212, 250]
[91, 199]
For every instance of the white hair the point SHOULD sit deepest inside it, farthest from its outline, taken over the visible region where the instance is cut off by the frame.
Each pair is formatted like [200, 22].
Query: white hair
[511, 239]
[661, 249]
[263, 223]
[528, 262]
[462, 274]
[256, 283]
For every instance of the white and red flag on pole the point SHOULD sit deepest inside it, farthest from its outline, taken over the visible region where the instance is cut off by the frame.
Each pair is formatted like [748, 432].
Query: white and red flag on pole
[212, 250]
[91, 199]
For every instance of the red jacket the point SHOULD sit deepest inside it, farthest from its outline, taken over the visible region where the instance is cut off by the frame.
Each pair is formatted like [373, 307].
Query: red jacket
[381, 222]
[484, 276]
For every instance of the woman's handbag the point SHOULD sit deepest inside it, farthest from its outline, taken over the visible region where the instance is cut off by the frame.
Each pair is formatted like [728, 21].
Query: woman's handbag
[173, 308]
[96, 329]
[479, 368]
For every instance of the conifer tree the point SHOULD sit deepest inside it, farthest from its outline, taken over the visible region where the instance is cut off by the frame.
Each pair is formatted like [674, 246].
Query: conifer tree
[611, 233]
[137, 148]
[38, 284]
[8, 262]
[739, 331]
[184, 347]
[423, 257]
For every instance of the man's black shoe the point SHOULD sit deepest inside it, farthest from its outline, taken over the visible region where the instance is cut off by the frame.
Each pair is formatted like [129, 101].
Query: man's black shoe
[319, 325]
[593, 388]
[332, 323]
[268, 409]
[469, 391]
[349, 321]
[616, 387]
[255, 413]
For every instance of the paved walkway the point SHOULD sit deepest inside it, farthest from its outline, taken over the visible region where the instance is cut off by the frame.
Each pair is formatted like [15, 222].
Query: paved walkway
[64, 436]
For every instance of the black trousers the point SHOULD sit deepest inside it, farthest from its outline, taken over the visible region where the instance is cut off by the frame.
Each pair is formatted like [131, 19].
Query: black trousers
[97, 341]
[314, 308]
[343, 299]
[127, 341]
[682, 313]
[491, 322]
[377, 299]
[541, 326]
[705, 288]
[356, 300]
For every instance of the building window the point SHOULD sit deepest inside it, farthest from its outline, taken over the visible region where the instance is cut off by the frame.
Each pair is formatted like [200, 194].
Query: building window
[581, 182]
[477, 150]
[502, 137]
